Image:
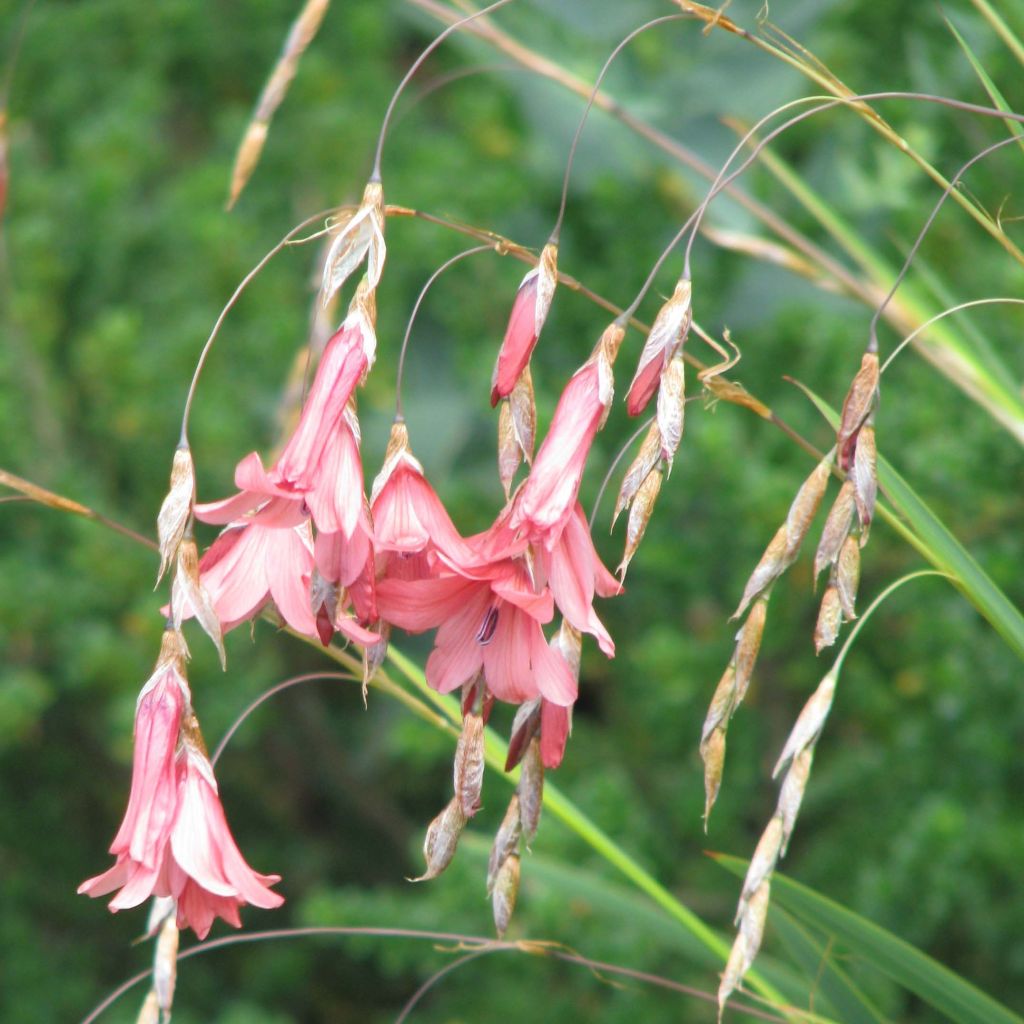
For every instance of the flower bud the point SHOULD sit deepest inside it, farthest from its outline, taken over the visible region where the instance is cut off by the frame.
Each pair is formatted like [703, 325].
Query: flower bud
[177, 507]
[805, 507]
[865, 479]
[671, 408]
[469, 764]
[712, 752]
[667, 334]
[748, 643]
[639, 516]
[848, 576]
[504, 893]
[791, 794]
[441, 840]
[762, 864]
[860, 401]
[723, 703]
[809, 722]
[771, 566]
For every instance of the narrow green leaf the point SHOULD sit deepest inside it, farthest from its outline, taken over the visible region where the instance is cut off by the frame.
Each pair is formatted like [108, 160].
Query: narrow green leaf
[938, 986]
[846, 1001]
[1008, 36]
[990, 87]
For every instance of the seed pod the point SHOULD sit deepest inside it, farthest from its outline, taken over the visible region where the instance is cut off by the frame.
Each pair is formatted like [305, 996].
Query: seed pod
[830, 618]
[671, 408]
[469, 764]
[865, 479]
[531, 790]
[848, 576]
[791, 794]
[809, 722]
[510, 455]
[639, 516]
[836, 529]
[712, 751]
[860, 400]
[176, 508]
[723, 703]
[762, 864]
[441, 840]
[805, 507]
[646, 459]
[748, 643]
[165, 967]
[745, 946]
[773, 563]
[506, 842]
[524, 728]
[504, 893]
[523, 407]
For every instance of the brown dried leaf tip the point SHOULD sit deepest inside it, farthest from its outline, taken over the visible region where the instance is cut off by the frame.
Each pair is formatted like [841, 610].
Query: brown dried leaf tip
[176, 509]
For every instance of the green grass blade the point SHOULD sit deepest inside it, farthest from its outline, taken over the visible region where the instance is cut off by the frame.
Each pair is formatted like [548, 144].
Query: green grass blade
[990, 87]
[944, 990]
[1008, 36]
[930, 536]
[846, 1001]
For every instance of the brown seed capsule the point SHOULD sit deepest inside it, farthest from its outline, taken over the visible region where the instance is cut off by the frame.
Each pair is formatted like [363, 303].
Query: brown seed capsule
[504, 893]
[773, 563]
[809, 722]
[762, 864]
[748, 643]
[671, 408]
[506, 842]
[469, 764]
[712, 751]
[639, 516]
[791, 794]
[531, 790]
[848, 576]
[865, 479]
[830, 618]
[860, 400]
[805, 508]
[176, 509]
[836, 529]
[646, 459]
[190, 597]
[523, 407]
[441, 840]
[723, 703]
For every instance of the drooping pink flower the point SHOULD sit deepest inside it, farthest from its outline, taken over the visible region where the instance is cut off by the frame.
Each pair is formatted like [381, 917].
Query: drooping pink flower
[174, 840]
[529, 311]
[549, 494]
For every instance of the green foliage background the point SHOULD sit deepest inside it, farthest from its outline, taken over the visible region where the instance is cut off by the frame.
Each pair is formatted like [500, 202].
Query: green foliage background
[124, 119]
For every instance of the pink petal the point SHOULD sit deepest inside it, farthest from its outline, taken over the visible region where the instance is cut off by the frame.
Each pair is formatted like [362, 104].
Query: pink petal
[415, 605]
[507, 657]
[520, 338]
[554, 731]
[551, 671]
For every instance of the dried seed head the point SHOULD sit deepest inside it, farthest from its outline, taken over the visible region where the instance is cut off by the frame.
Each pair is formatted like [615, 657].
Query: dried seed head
[547, 281]
[165, 967]
[362, 236]
[746, 945]
[712, 751]
[523, 408]
[762, 864]
[190, 597]
[173, 652]
[506, 842]
[510, 454]
[666, 337]
[177, 507]
[809, 722]
[639, 516]
[830, 618]
[772, 565]
[723, 703]
[469, 764]
[748, 643]
[672, 407]
[836, 529]
[791, 794]
[607, 347]
[442, 839]
[865, 479]
[848, 576]
[504, 893]
[149, 1012]
[646, 459]
[805, 507]
[531, 790]
[860, 401]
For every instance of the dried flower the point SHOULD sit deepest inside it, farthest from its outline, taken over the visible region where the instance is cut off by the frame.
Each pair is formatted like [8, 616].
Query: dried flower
[441, 840]
[506, 842]
[362, 236]
[830, 618]
[190, 598]
[860, 401]
[177, 507]
[836, 529]
[531, 790]
[469, 764]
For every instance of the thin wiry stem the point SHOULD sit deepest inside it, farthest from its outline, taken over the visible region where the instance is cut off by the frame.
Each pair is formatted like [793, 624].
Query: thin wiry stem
[434, 979]
[557, 229]
[611, 469]
[417, 64]
[412, 317]
[288, 238]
